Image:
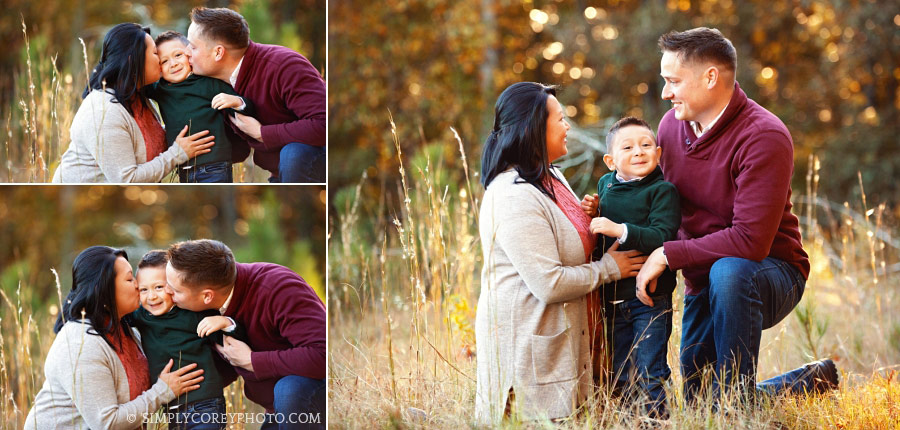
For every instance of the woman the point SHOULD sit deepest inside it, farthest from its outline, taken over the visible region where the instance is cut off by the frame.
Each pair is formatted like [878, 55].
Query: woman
[531, 325]
[116, 136]
[96, 374]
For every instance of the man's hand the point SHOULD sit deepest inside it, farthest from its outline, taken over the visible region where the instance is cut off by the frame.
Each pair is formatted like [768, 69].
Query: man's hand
[606, 227]
[236, 353]
[646, 278]
[249, 125]
[210, 325]
[222, 101]
[591, 205]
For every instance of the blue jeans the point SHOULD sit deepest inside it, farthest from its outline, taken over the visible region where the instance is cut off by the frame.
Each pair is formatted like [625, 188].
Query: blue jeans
[640, 338]
[299, 404]
[722, 325]
[219, 172]
[208, 414]
[300, 163]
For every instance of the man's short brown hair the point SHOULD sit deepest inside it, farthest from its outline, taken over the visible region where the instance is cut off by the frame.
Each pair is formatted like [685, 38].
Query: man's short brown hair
[222, 25]
[203, 263]
[700, 44]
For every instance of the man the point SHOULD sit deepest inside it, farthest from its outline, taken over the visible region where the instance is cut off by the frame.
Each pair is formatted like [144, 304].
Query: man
[288, 92]
[283, 365]
[739, 244]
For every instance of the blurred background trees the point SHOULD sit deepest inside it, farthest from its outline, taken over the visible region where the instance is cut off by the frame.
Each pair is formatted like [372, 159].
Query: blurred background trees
[43, 228]
[829, 69]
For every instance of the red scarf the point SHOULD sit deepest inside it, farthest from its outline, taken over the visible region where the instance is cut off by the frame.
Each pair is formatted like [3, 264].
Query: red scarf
[571, 207]
[133, 360]
[154, 135]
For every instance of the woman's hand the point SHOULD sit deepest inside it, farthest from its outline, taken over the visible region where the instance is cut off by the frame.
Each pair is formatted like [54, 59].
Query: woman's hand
[222, 101]
[195, 144]
[210, 325]
[629, 262]
[180, 381]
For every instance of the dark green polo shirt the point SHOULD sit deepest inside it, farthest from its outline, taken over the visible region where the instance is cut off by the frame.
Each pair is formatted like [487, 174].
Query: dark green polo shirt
[188, 103]
[174, 335]
[650, 208]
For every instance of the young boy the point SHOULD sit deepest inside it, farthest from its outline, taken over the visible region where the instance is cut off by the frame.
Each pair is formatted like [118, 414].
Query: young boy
[169, 332]
[196, 101]
[637, 208]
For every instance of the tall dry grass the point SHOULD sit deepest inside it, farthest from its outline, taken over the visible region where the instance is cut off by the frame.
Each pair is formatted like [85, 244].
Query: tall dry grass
[403, 291]
[26, 333]
[37, 121]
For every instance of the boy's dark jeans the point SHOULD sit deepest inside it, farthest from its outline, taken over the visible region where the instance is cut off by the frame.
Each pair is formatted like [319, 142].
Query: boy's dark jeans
[208, 414]
[640, 337]
[211, 173]
[722, 325]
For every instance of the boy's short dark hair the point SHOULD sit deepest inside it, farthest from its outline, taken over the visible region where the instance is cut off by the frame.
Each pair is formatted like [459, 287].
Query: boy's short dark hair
[222, 25]
[700, 44]
[171, 35]
[622, 123]
[203, 263]
[154, 258]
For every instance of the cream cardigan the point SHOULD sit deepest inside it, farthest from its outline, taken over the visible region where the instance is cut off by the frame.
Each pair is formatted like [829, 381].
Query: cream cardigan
[107, 146]
[531, 323]
[85, 386]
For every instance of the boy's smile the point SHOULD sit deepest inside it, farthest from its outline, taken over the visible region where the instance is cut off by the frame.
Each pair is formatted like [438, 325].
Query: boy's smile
[174, 61]
[152, 289]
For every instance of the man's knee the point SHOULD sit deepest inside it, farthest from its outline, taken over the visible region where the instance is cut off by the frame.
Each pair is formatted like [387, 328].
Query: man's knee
[297, 387]
[730, 277]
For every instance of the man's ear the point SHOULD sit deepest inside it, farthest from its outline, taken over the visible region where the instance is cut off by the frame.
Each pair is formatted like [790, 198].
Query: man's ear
[658, 153]
[208, 296]
[711, 76]
[608, 159]
[219, 53]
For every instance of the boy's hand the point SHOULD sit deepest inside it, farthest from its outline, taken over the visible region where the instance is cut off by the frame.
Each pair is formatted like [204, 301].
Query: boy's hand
[222, 101]
[606, 227]
[210, 325]
[591, 205]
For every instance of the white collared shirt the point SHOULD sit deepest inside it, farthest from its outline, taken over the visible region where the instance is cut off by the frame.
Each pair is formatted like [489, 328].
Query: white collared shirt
[234, 74]
[233, 81]
[227, 302]
[696, 125]
[233, 325]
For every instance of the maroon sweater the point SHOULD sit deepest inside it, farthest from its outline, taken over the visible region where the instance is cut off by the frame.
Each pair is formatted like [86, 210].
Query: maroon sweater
[289, 96]
[285, 322]
[735, 187]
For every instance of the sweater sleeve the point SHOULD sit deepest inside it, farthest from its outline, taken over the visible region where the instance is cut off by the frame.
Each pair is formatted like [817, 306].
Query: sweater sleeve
[86, 377]
[664, 220]
[301, 320]
[536, 258]
[112, 144]
[303, 91]
[762, 184]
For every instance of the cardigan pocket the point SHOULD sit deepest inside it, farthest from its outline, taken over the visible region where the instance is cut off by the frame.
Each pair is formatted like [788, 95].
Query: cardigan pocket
[552, 358]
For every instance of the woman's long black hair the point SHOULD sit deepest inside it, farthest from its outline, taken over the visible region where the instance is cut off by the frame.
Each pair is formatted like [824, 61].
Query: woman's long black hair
[94, 292]
[122, 63]
[519, 137]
